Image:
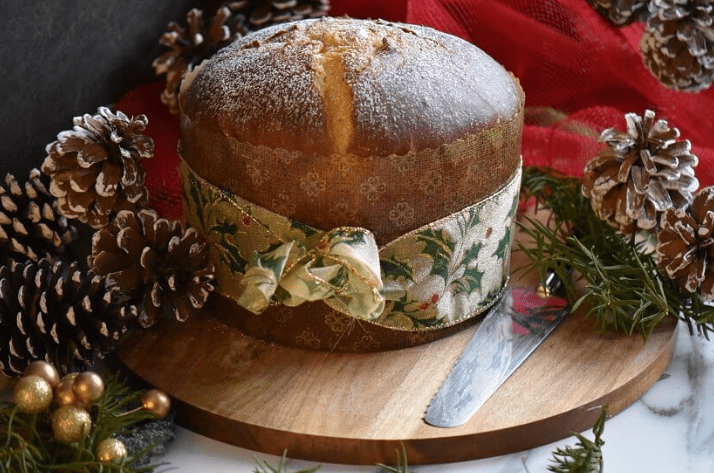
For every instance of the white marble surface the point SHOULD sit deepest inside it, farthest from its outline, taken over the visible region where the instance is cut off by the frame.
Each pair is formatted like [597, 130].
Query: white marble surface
[669, 430]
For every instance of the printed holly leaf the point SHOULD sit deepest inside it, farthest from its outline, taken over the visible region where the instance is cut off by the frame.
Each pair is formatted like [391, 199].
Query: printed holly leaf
[440, 248]
[471, 279]
[271, 259]
[394, 269]
[195, 195]
[307, 230]
[491, 296]
[349, 236]
[339, 279]
[418, 323]
[223, 227]
[504, 245]
[471, 220]
[229, 252]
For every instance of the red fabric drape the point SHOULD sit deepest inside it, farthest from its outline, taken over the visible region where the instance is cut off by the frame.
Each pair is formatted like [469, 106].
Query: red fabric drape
[580, 75]
[572, 60]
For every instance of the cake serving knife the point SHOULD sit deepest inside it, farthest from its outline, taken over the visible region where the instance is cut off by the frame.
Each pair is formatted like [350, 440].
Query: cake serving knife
[509, 333]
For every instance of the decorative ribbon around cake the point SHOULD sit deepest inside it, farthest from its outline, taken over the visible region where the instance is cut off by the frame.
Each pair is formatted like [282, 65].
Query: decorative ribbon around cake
[341, 268]
[432, 277]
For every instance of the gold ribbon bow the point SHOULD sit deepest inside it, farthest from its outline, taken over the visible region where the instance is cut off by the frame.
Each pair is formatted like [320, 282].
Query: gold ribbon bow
[340, 267]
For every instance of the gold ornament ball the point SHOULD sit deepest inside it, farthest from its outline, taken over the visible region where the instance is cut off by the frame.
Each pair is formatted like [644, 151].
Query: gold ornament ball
[64, 392]
[44, 370]
[71, 424]
[69, 378]
[32, 394]
[111, 450]
[156, 402]
[88, 387]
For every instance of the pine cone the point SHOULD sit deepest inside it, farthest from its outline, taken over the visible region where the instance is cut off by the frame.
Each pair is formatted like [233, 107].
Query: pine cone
[152, 259]
[685, 245]
[678, 43]
[640, 174]
[621, 12]
[30, 227]
[189, 47]
[261, 13]
[95, 168]
[50, 311]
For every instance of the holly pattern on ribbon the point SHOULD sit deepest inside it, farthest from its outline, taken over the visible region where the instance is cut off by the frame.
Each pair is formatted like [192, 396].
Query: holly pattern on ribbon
[451, 269]
[432, 277]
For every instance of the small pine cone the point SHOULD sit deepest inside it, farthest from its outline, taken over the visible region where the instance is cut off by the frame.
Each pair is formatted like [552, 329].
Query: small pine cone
[190, 46]
[95, 168]
[678, 43]
[51, 311]
[259, 14]
[685, 245]
[621, 12]
[30, 227]
[640, 174]
[152, 259]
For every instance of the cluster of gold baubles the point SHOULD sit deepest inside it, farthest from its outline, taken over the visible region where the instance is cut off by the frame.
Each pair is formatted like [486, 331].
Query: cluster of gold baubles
[73, 395]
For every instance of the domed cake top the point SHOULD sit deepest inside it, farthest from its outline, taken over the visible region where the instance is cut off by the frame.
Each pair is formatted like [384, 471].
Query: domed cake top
[338, 85]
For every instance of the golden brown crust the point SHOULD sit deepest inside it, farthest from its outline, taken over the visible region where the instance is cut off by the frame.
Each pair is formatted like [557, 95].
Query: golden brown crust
[368, 88]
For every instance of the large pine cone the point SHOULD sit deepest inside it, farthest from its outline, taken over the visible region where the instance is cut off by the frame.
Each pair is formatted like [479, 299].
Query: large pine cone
[95, 168]
[258, 14]
[678, 43]
[621, 12]
[30, 227]
[152, 259]
[685, 245]
[50, 311]
[198, 41]
[192, 45]
[640, 174]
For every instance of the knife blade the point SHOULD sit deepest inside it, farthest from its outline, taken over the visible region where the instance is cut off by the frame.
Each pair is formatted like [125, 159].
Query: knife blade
[509, 333]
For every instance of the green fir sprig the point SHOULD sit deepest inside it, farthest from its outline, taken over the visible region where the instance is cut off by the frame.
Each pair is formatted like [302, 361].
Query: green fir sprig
[624, 289]
[27, 444]
[264, 467]
[402, 463]
[586, 455]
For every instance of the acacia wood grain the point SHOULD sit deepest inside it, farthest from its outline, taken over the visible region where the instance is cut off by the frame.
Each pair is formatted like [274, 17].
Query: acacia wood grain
[358, 408]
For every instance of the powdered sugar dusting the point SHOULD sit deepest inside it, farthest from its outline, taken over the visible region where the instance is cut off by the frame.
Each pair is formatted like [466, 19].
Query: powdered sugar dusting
[413, 87]
[254, 90]
[438, 87]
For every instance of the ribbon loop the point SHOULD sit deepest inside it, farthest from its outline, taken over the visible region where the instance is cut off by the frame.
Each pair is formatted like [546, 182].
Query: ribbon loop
[340, 267]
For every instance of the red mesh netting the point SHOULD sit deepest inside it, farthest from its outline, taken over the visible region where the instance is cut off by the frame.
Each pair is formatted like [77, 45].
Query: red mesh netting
[577, 65]
[580, 75]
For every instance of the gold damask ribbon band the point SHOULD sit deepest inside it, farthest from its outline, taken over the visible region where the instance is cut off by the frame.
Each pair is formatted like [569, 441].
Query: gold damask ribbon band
[433, 277]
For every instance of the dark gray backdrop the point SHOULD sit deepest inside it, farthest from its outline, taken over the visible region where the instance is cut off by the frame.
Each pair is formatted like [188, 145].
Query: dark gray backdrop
[62, 58]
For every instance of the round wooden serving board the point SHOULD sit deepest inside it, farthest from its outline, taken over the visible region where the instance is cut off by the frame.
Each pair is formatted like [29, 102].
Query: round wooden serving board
[357, 408]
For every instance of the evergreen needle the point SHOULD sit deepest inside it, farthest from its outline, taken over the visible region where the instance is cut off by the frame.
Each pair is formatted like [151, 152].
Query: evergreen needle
[265, 467]
[625, 291]
[586, 455]
[402, 464]
[27, 444]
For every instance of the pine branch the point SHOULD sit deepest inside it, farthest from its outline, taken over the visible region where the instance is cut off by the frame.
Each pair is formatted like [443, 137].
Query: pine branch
[16, 454]
[27, 444]
[115, 410]
[586, 455]
[625, 289]
[402, 464]
[265, 467]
